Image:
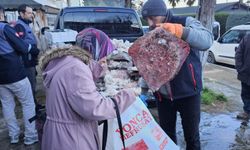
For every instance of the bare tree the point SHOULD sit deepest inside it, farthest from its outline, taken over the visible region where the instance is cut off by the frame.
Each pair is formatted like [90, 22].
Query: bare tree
[206, 13]
[206, 16]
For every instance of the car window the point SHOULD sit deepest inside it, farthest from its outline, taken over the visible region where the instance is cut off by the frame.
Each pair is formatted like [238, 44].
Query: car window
[233, 36]
[109, 22]
[116, 3]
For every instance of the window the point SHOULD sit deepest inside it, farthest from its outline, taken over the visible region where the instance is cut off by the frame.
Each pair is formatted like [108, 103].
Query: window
[233, 36]
[113, 3]
[108, 22]
[51, 19]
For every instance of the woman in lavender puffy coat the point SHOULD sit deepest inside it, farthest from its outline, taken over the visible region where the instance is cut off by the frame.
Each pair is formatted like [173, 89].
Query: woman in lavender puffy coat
[73, 104]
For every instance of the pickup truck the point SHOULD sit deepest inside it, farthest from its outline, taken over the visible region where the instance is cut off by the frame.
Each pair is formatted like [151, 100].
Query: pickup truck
[118, 23]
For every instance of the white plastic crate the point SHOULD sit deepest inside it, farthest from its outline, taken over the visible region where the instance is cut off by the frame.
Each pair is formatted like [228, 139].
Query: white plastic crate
[60, 36]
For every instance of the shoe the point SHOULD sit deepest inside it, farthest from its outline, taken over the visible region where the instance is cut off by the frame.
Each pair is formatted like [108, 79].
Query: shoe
[30, 140]
[14, 139]
[243, 116]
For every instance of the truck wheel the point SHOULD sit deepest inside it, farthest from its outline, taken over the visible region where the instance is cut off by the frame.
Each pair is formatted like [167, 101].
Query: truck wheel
[210, 58]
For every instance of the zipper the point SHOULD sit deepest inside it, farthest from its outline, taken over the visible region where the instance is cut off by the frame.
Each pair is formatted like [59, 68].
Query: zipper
[192, 73]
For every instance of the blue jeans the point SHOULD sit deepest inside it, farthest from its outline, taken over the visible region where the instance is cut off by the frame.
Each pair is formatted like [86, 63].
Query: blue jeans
[189, 109]
[245, 96]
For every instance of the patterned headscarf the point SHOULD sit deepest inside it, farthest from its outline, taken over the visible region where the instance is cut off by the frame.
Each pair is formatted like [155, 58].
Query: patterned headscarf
[96, 42]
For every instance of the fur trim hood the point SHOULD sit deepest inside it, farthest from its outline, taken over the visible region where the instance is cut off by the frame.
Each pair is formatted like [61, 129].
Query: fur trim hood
[49, 55]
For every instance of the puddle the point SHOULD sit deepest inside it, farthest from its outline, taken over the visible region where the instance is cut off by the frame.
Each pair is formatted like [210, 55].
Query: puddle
[220, 132]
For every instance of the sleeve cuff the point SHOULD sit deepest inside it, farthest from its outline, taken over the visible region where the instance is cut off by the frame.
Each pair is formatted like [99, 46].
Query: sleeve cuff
[185, 33]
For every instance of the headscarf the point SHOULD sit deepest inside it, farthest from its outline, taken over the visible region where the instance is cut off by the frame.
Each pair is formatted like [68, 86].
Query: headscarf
[96, 42]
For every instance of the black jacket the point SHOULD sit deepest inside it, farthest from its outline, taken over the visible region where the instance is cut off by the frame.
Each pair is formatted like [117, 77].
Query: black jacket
[11, 47]
[242, 60]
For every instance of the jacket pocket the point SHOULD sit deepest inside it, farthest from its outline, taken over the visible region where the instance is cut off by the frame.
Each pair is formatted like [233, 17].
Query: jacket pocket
[191, 68]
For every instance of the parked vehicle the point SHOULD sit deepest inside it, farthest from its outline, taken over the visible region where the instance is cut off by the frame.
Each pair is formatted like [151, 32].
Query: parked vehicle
[223, 49]
[119, 23]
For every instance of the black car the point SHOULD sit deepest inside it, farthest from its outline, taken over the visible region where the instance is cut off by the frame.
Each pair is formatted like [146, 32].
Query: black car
[119, 23]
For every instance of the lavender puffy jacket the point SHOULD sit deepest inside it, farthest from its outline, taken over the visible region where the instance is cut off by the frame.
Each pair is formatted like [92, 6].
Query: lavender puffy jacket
[74, 106]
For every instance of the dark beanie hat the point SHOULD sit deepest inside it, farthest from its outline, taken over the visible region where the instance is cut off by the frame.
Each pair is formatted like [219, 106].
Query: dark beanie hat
[154, 8]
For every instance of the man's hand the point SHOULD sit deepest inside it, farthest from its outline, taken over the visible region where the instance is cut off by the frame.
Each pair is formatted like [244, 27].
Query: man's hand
[175, 29]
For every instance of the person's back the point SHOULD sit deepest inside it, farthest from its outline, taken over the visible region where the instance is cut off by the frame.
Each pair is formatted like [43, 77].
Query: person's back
[61, 117]
[242, 57]
[11, 69]
[242, 65]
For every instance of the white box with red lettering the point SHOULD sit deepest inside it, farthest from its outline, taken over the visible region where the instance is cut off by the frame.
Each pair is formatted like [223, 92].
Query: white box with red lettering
[140, 130]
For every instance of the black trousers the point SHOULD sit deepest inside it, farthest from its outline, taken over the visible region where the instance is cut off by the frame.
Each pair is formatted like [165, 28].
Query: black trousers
[245, 96]
[189, 109]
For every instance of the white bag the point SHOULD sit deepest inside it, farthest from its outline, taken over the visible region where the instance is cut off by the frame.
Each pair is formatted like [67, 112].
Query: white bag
[140, 130]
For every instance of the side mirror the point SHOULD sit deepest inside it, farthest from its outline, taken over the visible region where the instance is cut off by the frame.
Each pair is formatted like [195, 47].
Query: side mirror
[44, 29]
[216, 37]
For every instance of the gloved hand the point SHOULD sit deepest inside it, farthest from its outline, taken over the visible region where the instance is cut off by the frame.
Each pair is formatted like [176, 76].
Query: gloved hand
[144, 99]
[175, 29]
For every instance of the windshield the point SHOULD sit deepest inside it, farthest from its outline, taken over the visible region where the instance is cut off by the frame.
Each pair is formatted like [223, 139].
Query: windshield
[109, 22]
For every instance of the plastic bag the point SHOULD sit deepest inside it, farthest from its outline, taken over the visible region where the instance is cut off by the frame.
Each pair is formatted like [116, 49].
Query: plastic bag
[140, 130]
